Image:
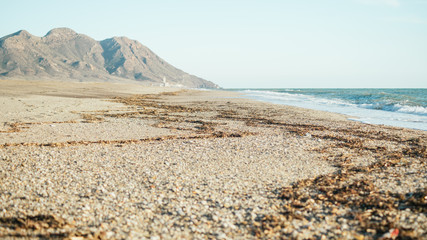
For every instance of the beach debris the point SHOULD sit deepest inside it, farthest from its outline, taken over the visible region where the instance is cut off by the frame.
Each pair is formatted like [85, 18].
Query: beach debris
[392, 234]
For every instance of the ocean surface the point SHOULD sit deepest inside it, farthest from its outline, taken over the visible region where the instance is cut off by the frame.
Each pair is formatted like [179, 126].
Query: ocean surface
[393, 107]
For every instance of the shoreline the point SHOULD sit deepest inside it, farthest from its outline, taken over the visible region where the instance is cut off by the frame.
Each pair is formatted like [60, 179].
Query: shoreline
[96, 161]
[354, 111]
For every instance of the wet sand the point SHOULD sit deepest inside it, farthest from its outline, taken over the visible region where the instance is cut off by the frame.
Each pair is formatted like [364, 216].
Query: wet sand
[114, 161]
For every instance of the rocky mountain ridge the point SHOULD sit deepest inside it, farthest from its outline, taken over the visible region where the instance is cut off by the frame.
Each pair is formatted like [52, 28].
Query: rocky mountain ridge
[66, 55]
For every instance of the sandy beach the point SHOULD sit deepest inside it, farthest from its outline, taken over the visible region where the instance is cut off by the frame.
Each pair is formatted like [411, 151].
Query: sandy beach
[123, 161]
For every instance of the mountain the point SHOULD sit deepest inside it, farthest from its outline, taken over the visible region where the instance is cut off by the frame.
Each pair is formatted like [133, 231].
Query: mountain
[64, 54]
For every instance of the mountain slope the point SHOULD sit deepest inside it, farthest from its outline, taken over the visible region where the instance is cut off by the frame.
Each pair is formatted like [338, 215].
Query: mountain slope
[65, 54]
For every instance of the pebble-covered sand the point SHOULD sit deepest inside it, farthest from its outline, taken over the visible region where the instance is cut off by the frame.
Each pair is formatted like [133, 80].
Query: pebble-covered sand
[108, 161]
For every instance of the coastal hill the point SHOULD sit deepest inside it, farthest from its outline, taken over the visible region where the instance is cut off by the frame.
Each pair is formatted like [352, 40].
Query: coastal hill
[64, 54]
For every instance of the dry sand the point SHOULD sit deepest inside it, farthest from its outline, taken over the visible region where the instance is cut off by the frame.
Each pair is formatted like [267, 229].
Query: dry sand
[121, 161]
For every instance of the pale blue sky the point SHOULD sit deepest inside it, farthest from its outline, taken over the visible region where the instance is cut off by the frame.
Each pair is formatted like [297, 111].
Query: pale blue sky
[262, 43]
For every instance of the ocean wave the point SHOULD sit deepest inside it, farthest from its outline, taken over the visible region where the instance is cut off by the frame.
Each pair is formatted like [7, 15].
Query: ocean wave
[396, 107]
[412, 109]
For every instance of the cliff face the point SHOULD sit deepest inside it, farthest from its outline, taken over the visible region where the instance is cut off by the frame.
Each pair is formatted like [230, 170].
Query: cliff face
[65, 54]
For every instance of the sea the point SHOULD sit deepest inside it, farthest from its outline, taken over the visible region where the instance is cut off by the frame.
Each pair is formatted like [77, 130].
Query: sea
[394, 107]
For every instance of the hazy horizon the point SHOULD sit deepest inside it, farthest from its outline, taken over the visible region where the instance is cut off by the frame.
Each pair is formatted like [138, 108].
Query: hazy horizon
[256, 44]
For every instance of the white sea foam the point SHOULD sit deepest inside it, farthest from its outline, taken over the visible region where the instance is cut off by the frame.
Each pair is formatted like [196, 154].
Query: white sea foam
[411, 109]
[418, 110]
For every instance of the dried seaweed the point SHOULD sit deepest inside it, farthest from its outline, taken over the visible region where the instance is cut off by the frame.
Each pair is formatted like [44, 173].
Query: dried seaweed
[371, 211]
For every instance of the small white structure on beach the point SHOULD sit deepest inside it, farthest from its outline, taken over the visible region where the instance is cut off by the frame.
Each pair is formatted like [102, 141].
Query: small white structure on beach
[165, 84]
